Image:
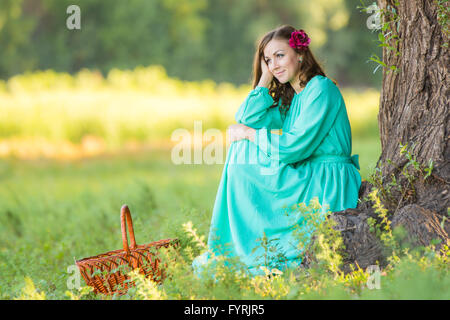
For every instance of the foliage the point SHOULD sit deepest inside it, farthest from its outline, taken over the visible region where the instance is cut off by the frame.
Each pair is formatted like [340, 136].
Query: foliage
[29, 291]
[388, 33]
[272, 256]
[324, 278]
[394, 193]
[382, 229]
[215, 39]
[443, 14]
[57, 115]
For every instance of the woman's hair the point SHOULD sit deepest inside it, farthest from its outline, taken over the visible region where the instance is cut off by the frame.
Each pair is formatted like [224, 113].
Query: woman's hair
[308, 68]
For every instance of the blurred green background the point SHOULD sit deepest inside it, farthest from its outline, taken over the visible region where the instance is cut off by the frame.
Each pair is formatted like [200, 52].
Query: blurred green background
[86, 116]
[192, 39]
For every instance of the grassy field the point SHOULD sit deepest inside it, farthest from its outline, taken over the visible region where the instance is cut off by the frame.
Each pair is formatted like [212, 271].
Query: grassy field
[56, 211]
[74, 149]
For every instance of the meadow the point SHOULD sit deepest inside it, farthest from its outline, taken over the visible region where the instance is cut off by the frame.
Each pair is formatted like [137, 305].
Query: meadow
[74, 149]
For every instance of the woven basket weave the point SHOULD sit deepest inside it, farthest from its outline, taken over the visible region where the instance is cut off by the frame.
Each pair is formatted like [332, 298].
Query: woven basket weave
[106, 272]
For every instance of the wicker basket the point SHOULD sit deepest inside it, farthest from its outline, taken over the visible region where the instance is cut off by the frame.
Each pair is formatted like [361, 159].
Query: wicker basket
[106, 272]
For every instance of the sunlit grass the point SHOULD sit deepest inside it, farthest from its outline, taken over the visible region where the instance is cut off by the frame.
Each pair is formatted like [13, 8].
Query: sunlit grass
[54, 211]
[62, 116]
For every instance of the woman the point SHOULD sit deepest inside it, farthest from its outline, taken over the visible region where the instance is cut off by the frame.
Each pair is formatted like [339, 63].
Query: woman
[292, 143]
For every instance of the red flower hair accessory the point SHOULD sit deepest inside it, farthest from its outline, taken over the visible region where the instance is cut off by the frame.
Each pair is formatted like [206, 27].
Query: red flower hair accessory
[299, 40]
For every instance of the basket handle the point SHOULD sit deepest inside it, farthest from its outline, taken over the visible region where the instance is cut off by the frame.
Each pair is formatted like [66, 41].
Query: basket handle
[126, 215]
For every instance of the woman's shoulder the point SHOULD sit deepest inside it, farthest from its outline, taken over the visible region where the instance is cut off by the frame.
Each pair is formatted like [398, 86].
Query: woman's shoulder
[320, 84]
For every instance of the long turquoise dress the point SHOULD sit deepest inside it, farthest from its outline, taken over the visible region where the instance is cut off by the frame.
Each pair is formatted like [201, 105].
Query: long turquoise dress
[309, 157]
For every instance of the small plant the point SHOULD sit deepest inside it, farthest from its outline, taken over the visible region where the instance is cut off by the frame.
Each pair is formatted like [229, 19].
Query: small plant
[271, 285]
[83, 292]
[272, 256]
[388, 189]
[443, 14]
[328, 247]
[354, 280]
[383, 229]
[145, 288]
[29, 291]
[388, 33]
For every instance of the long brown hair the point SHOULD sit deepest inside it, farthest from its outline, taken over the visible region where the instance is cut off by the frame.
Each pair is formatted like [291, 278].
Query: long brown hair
[308, 68]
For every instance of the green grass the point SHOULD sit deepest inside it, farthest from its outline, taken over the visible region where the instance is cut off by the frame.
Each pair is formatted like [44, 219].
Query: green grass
[53, 211]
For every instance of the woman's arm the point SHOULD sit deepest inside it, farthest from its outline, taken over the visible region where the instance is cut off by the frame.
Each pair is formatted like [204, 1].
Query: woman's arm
[240, 131]
[255, 111]
[320, 107]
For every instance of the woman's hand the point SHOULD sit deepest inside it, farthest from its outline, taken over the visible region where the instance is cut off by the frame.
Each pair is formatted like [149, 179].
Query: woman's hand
[266, 76]
[240, 131]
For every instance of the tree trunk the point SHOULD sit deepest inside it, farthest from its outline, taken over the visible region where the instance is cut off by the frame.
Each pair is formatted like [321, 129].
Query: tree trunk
[414, 111]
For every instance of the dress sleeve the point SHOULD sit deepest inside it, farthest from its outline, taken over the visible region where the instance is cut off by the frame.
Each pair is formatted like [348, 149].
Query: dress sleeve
[319, 108]
[255, 111]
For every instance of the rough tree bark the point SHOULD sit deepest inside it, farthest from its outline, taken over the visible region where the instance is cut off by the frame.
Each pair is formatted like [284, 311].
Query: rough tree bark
[414, 110]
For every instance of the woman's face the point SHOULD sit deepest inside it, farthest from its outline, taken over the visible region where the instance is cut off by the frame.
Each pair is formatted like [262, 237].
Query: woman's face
[282, 60]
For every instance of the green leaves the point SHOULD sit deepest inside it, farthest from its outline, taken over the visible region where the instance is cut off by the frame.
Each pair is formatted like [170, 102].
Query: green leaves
[387, 38]
[272, 256]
